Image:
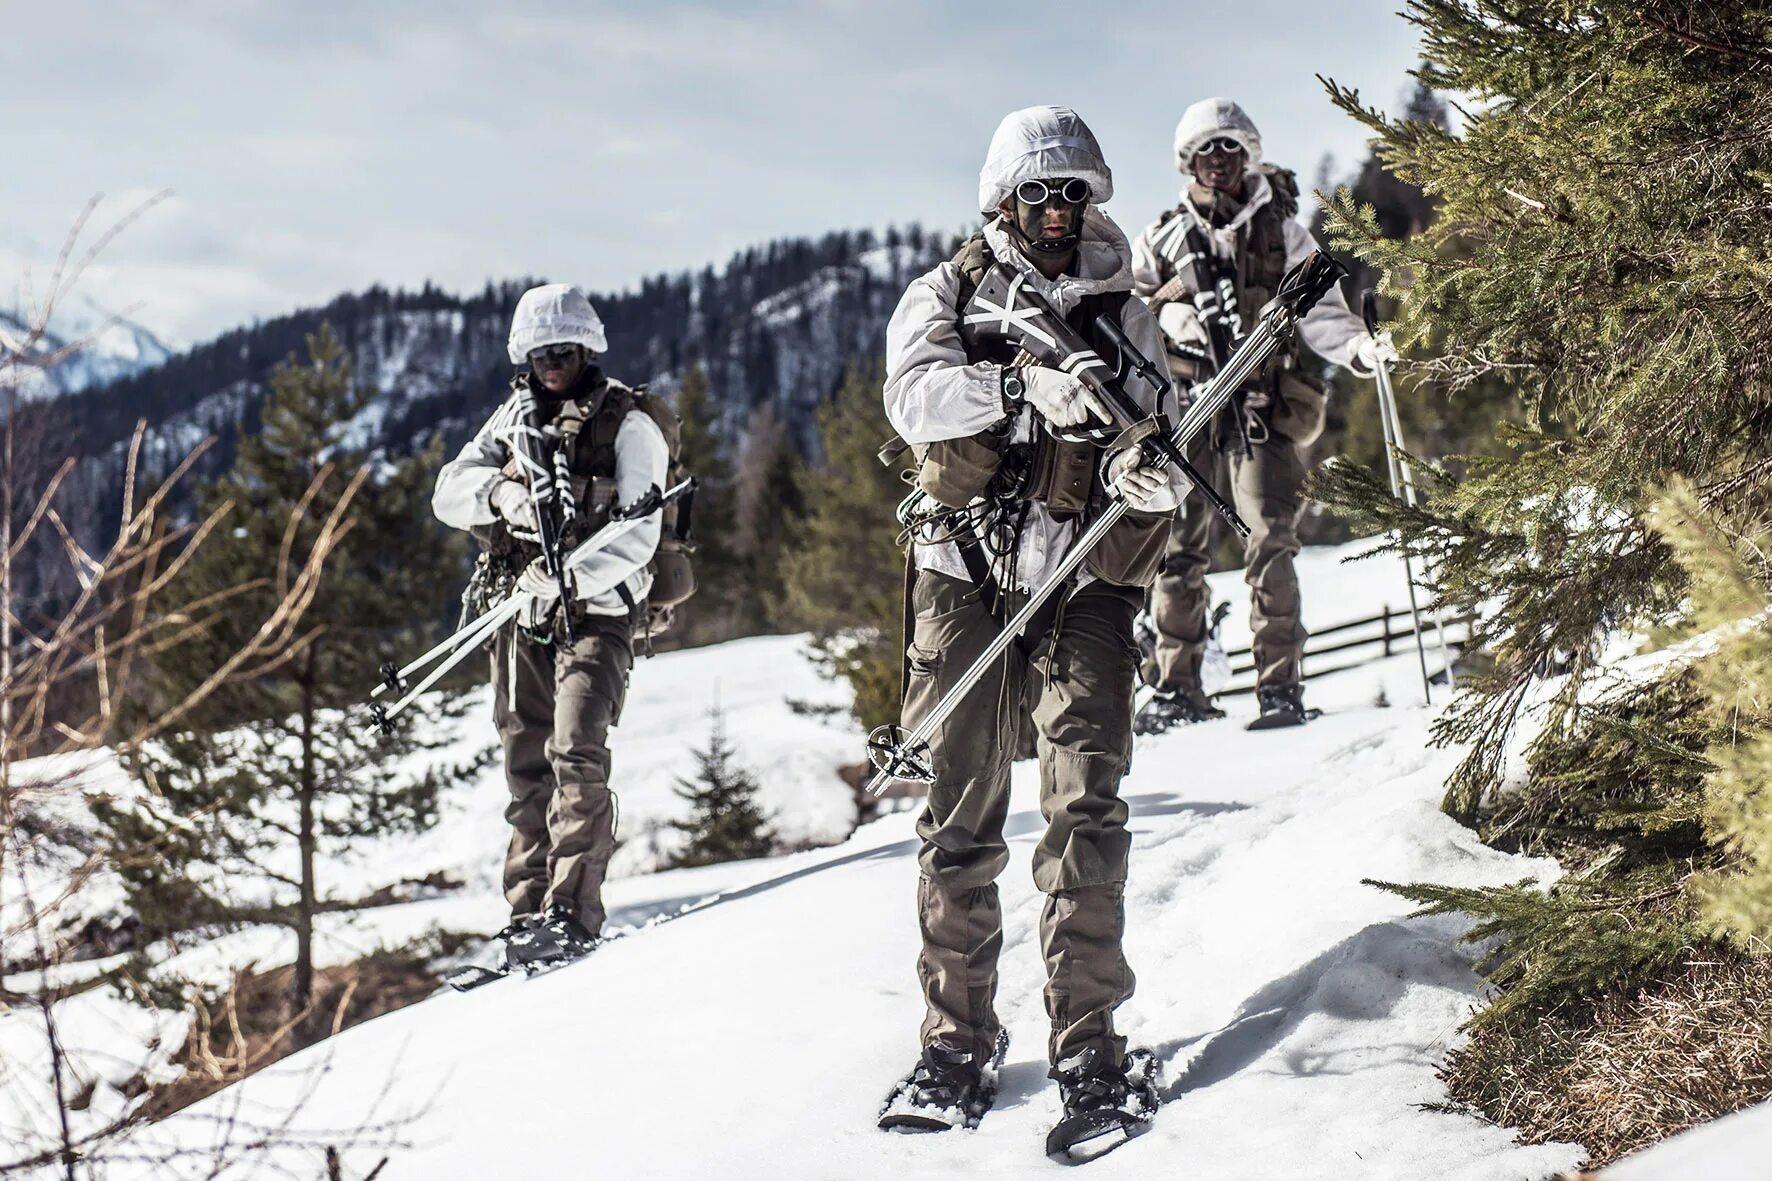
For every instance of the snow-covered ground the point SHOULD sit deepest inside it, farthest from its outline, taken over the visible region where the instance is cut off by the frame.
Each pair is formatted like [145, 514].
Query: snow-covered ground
[1299, 1013]
[665, 720]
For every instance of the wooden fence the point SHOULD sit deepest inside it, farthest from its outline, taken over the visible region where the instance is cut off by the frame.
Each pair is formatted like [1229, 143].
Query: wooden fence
[1394, 632]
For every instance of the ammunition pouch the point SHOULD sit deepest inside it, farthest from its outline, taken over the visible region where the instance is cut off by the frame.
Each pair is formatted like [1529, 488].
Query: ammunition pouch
[955, 472]
[1060, 473]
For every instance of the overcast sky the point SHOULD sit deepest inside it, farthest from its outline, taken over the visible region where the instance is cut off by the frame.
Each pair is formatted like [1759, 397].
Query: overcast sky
[318, 147]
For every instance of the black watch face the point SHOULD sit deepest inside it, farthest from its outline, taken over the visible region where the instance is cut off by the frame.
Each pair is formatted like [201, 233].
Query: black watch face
[1012, 385]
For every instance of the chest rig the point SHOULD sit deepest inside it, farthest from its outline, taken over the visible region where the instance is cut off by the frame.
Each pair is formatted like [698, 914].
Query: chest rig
[1061, 474]
[1260, 261]
[586, 427]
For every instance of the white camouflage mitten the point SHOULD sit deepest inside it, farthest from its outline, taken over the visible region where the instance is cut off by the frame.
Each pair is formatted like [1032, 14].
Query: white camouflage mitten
[1147, 489]
[510, 500]
[1369, 352]
[1061, 399]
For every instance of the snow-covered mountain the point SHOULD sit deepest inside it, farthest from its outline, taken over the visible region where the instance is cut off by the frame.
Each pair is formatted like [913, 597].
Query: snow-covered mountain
[89, 348]
[752, 1019]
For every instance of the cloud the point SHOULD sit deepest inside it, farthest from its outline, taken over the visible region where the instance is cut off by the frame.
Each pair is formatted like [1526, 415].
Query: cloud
[449, 140]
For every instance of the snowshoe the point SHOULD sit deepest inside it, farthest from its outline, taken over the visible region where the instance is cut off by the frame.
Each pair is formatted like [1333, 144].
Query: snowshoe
[471, 976]
[1104, 1105]
[553, 938]
[1175, 707]
[948, 1089]
[1282, 706]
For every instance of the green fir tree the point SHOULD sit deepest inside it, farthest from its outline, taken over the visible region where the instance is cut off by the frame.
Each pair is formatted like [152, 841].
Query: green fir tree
[845, 566]
[1599, 255]
[726, 823]
[711, 615]
[1600, 249]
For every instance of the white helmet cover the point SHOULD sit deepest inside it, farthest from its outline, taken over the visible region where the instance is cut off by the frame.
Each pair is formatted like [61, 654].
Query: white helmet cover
[556, 313]
[1037, 143]
[1208, 119]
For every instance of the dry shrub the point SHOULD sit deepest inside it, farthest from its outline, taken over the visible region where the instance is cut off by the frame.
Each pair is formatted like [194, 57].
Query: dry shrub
[1632, 1069]
[250, 1026]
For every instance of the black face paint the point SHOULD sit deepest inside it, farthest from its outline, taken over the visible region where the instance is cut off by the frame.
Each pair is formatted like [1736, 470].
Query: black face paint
[1066, 198]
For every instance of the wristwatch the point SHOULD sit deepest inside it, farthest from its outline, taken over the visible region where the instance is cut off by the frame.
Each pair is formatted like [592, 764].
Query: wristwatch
[1014, 389]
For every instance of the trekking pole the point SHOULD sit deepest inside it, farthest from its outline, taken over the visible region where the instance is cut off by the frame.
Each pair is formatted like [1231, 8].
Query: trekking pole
[900, 754]
[622, 522]
[1399, 478]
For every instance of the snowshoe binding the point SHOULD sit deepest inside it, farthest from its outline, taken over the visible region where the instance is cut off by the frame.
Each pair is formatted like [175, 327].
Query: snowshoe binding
[1282, 706]
[531, 944]
[1104, 1105]
[471, 976]
[555, 937]
[948, 1089]
[1169, 708]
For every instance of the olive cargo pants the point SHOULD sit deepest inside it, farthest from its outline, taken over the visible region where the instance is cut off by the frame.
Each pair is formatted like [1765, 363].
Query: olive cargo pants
[1267, 488]
[554, 705]
[1079, 695]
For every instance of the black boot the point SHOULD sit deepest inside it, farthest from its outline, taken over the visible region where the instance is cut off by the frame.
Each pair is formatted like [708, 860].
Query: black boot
[517, 928]
[1174, 707]
[554, 936]
[1282, 705]
[1105, 1104]
[948, 1089]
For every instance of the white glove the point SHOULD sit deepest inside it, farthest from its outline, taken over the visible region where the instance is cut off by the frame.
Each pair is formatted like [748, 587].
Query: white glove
[510, 500]
[1181, 324]
[1146, 489]
[536, 581]
[1061, 399]
[1369, 352]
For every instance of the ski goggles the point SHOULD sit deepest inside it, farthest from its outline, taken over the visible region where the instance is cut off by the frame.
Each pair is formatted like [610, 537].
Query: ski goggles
[1038, 192]
[553, 356]
[1222, 145]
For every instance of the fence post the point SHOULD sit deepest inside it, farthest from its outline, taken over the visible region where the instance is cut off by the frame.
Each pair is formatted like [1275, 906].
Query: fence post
[1387, 629]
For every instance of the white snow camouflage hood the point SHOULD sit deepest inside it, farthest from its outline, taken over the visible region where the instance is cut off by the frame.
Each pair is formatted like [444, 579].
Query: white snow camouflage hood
[1035, 143]
[556, 313]
[1207, 119]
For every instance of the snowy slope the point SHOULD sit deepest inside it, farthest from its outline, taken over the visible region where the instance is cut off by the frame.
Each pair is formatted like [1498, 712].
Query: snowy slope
[1299, 1012]
[665, 720]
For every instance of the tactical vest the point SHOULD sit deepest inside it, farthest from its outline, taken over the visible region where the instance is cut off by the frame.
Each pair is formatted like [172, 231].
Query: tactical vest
[1062, 475]
[588, 425]
[1261, 261]
[1051, 471]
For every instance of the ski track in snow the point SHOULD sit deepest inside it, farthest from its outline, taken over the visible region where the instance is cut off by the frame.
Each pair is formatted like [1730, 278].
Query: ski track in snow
[1299, 1013]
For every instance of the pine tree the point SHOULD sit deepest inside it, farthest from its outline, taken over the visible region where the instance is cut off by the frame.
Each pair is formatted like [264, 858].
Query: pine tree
[1436, 422]
[1599, 254]
[242, 802]
[845, 568]
[709, 616]
[767, 504]
[1600, 248]
[727, 824]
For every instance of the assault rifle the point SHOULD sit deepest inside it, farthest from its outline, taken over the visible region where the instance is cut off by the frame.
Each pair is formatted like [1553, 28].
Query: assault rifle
[1004, 306]
[897, 753]
[550, 489]
[453, 650]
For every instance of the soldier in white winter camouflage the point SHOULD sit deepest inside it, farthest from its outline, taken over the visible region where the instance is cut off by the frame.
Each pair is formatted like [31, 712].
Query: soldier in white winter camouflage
[1206, 268]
